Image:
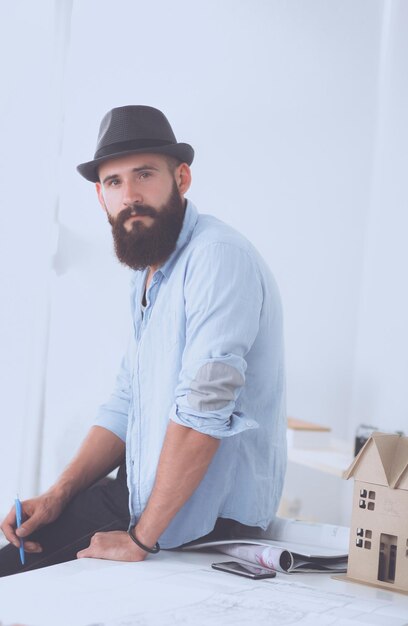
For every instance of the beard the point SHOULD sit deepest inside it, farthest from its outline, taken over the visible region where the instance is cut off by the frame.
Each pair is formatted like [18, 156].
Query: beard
[143, 245]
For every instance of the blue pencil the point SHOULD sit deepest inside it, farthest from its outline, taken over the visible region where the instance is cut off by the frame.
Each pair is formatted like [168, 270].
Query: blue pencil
[19, 517]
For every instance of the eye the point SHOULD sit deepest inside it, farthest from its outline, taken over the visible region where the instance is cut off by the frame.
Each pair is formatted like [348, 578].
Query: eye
[114, 182]
[145, 175]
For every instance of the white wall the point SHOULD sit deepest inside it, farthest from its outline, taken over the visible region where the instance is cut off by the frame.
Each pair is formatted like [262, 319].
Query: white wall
[279, 101]
[282, 101]
[381, 367]
[29, 122]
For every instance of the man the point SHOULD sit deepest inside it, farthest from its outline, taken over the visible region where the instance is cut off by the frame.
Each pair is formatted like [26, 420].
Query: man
[196, 421]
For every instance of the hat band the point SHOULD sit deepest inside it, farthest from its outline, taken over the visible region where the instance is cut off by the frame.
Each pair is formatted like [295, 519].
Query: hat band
[133, 144]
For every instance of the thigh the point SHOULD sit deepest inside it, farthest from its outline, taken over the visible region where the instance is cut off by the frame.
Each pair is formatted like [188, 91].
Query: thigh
[100, 508]
[226, 529]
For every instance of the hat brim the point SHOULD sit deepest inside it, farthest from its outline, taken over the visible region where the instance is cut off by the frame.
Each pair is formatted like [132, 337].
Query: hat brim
[182, 151]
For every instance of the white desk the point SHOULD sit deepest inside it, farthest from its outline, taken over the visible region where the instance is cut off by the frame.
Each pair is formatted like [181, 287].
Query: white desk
[181, 589]
[334, 459]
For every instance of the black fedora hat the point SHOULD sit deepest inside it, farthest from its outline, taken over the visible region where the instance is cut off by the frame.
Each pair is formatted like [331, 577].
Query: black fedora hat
[132, 129]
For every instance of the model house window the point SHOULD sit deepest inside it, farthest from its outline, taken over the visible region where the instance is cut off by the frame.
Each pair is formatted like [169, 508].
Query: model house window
[361, 538]
[367, 500]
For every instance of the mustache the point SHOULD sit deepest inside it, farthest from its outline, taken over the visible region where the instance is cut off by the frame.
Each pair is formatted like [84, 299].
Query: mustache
[133, 210]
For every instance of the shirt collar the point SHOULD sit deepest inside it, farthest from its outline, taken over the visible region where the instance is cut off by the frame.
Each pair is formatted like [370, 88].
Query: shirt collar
[189, 223]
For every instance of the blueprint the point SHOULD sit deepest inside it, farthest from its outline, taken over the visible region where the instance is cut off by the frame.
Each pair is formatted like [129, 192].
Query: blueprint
[183, 590]
[274, 603]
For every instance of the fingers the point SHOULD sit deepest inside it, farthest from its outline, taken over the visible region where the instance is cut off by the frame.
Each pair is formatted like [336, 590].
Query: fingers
[28, 526]
[14, 534]
[92, 550]
[24, 531]
[84, 553]
[9, 526]
[33, 547]
[95, 548]
[35, 515]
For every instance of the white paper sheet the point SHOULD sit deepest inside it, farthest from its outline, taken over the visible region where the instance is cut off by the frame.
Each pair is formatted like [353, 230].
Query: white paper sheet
[176, 589]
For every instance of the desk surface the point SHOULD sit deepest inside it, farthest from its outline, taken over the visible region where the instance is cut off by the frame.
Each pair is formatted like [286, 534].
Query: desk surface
[334, 459]
[181, 588]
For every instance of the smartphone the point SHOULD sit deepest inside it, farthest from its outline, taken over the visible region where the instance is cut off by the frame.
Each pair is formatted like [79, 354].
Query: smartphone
[244, 569]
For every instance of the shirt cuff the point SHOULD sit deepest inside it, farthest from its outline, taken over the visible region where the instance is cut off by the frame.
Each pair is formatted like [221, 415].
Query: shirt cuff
[213, 426]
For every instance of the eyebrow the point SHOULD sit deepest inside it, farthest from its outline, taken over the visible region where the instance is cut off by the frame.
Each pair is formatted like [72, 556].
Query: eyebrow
[135, 169]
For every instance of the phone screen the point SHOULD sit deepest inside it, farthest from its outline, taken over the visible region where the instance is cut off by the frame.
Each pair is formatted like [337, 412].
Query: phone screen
[244, 569]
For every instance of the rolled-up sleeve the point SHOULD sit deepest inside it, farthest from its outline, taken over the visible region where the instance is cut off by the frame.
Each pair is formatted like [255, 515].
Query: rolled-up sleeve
[113, 415]
[223, 301]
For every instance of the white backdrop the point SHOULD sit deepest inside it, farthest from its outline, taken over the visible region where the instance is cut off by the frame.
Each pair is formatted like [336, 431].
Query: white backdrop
[32, 48]
[381, 371]
[297, 111]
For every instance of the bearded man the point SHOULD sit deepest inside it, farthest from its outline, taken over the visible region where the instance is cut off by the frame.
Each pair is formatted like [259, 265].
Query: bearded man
[196, 422]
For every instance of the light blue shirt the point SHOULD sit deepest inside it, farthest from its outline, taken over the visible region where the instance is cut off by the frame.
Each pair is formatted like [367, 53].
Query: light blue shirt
[207, 353]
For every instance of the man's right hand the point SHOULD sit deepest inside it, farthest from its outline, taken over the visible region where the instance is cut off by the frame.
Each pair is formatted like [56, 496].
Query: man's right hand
[98, 455]
[36, 512]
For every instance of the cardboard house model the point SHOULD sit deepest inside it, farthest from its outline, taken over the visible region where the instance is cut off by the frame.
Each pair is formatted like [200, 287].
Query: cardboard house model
[379, 524]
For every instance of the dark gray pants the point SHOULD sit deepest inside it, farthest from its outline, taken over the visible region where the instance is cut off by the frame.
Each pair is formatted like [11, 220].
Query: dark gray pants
[102, 507]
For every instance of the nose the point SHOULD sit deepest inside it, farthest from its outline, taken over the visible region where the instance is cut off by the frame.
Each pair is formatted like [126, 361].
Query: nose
[131, 193]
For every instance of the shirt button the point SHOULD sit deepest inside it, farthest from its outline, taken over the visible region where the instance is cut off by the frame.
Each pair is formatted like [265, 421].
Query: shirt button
[248, 424]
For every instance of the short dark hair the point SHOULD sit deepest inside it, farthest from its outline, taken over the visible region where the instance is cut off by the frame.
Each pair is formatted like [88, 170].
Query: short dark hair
[172, 162]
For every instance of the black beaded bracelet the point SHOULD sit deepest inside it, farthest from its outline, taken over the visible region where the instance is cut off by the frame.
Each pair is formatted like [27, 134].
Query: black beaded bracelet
[154, 550]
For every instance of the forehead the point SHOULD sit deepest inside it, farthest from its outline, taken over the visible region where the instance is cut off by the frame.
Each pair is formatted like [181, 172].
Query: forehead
[130, 162]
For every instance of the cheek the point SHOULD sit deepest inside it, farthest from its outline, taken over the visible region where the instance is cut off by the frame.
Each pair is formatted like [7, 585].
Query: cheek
[158, 190]
[112, 203]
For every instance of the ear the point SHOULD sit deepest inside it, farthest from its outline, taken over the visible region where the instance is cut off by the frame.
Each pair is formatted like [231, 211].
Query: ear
[101, 199]
[183, 178]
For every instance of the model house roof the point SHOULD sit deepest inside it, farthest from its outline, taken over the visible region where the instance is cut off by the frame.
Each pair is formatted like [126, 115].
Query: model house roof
[382, 461]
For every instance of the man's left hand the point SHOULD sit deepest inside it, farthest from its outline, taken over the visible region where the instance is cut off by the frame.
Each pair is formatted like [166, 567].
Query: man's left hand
[115, 545]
